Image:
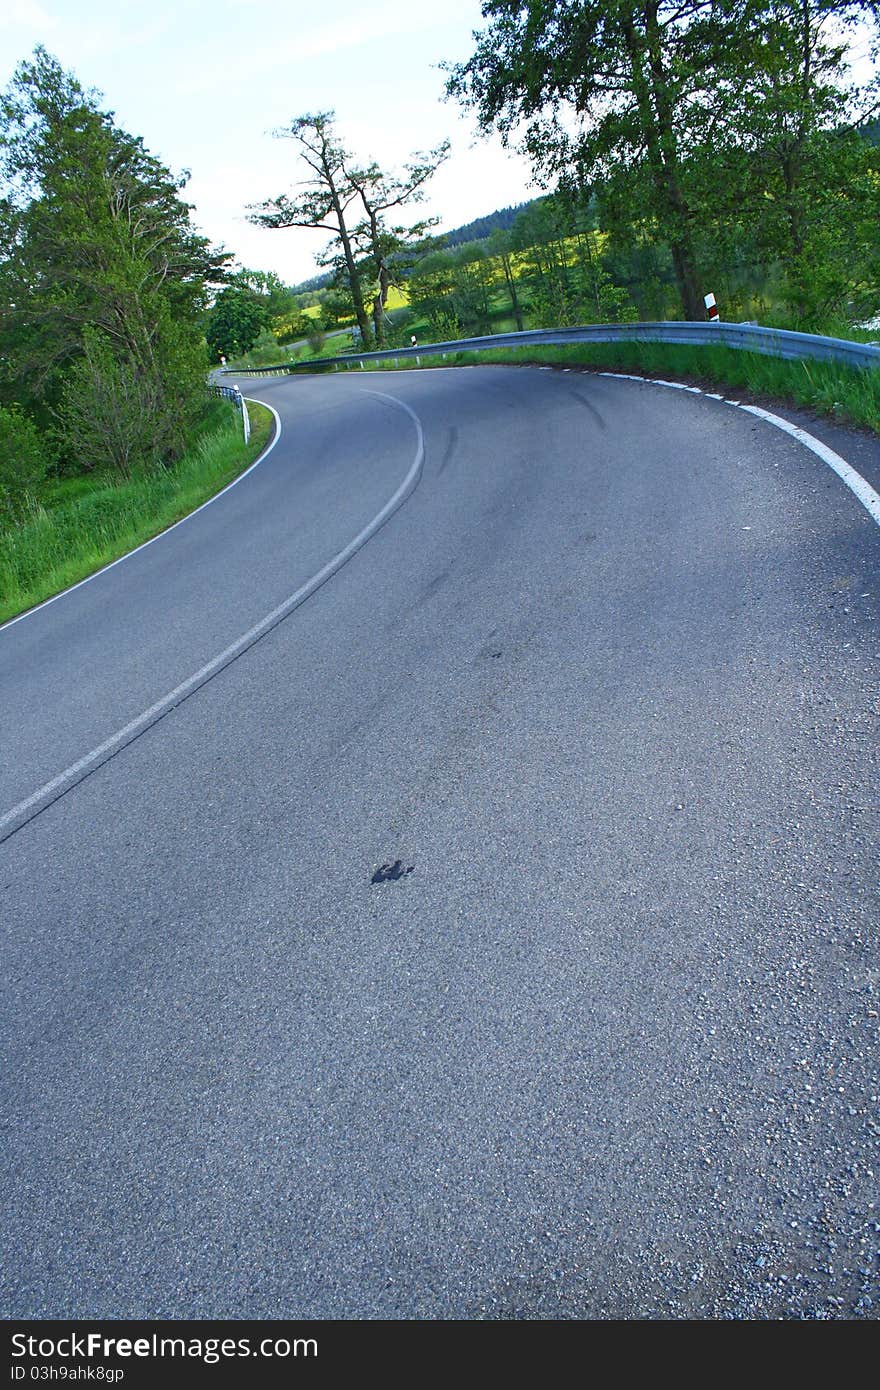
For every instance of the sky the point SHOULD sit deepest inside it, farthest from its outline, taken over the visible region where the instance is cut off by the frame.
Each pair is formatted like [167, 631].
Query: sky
[205, 84]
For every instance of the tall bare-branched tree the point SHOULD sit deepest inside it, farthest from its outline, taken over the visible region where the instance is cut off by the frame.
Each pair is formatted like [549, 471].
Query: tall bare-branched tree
[386, 247]
[352, 203]
[324, 200]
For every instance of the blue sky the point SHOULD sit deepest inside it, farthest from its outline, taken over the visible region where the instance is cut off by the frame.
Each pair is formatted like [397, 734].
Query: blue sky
[204, 84]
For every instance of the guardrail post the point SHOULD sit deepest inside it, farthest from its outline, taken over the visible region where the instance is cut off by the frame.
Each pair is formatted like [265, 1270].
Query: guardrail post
[245, 418]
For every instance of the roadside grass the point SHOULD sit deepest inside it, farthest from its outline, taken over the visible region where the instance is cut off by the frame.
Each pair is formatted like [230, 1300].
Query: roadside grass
[81, 524]
[848, 395]
[259, 359]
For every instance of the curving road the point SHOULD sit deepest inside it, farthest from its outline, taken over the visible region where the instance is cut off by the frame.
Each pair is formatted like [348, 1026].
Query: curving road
[492, 932]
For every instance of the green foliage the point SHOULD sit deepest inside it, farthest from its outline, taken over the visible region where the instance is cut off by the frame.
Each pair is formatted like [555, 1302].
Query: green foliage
[102, 411]
[600, 90]
[430, 290]
[294, 327]
[366, 254]
[550, 268]
[114, 415]
[87, 522]
[265, 352]
[235, 322]
[337, 309]
[277, 297]
[564, 267]
[101, 274]
[23, 464]
[707, 128]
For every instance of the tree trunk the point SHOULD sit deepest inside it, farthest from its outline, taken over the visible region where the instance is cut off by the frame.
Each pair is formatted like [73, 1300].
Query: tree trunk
[689, 288]
[379, 303]
[353, 281]
[511, 290]
[653, 99]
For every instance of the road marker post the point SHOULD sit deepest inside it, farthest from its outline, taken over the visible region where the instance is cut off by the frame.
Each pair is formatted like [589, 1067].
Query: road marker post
[245, 418]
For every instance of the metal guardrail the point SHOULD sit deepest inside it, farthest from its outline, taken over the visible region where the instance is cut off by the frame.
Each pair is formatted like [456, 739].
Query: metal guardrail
[749, 337]
[232, 393]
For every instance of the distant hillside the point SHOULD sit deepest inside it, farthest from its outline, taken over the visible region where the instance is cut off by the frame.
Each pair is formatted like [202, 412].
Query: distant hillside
[471, 231]
[317, 282]
[482, 227]
[870, 131]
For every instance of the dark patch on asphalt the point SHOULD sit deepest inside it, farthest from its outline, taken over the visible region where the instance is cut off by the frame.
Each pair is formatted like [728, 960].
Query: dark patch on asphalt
[387, 873]
[433, 585]
[585, 400]
[491, 649]
[451, 445]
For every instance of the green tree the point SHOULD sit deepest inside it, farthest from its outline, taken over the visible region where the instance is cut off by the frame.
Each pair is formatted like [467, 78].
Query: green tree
[337, 309]
[501, 249]
[430, 292]
[453, 290]
[23, 463]
[540, 233]
[800, 182]
[598, 86]
[325, 201]
[473, 281]
[352, 203]
[236, 321]
[387, 249]
[703, 125]
[277, 297]
[293, 327]
[97, 239]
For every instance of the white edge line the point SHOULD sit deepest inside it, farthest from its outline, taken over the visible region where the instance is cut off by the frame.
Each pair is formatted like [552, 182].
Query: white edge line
[180, 692]
[858, 485]
[173, 527]
[869, 499]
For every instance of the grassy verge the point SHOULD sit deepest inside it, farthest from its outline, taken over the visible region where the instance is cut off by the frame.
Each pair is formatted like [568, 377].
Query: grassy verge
[84, 523]
[849, 396]
[289, 353]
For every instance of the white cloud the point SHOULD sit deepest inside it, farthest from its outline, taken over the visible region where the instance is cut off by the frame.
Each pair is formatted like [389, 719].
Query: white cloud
[26, 14]
[349, 30]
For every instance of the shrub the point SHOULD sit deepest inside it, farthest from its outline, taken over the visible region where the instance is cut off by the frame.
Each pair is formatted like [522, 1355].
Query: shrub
[23, 463]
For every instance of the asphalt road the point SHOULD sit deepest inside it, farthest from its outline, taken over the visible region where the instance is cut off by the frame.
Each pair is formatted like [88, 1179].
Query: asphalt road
[496, 935]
